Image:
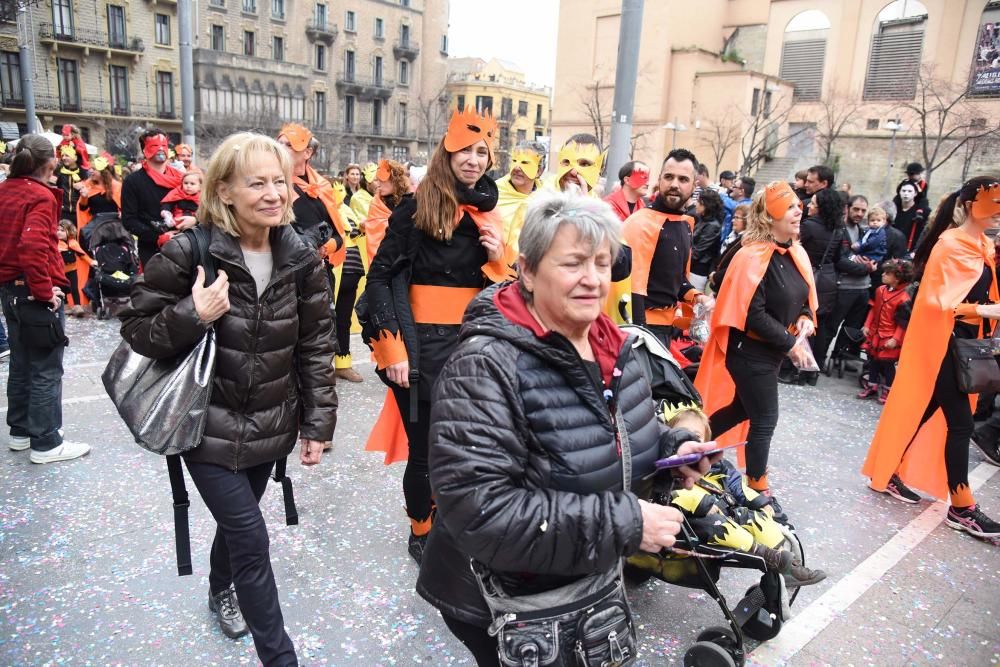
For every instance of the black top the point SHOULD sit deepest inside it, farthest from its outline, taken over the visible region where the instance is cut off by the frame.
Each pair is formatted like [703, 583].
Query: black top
[911, 223]
[816, 238]
[706, 244]
[668, 281]
[71, 195]
[780, 300]
[141, 206]
[980, 293]
[99, 204]
[312, 221]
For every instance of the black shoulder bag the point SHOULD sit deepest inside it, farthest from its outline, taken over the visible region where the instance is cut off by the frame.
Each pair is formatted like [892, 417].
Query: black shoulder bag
[976, 368]
[587, 623]
[825, 278]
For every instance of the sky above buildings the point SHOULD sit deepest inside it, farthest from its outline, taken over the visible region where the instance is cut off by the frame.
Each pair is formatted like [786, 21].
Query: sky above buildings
[521, 31]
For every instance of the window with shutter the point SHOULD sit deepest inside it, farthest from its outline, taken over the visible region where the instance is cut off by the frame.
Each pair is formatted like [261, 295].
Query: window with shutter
[802, 64]
[896, 49]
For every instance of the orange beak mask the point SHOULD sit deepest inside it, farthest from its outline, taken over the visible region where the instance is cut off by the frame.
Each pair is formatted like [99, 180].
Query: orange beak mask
[467, 128]
[987, 202]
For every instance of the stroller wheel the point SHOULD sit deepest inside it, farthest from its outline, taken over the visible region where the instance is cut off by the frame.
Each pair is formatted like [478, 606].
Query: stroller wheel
[723, 635]
[708, 654]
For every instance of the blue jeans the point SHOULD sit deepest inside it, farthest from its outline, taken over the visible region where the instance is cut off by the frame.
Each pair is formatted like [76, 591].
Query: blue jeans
[241, 554]
[34, 385]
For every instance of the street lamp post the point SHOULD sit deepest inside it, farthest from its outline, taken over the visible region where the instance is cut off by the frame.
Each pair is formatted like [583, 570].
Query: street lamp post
[674, 127]
[893, 126]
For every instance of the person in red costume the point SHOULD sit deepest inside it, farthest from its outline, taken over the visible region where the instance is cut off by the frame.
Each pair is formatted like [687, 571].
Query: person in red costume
[922, 438]
[181, 202]
[143, 191]
[633, 178]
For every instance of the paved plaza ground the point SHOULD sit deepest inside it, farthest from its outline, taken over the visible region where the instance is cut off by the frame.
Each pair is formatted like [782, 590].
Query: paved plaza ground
[87, 572]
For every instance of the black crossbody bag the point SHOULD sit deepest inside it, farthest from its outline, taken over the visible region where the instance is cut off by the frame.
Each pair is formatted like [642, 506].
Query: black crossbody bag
[587, 623]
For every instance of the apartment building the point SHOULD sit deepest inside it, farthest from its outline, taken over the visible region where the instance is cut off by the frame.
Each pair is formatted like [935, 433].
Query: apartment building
[520, 108]
[367, 76]
[110, 67]
[752, 84]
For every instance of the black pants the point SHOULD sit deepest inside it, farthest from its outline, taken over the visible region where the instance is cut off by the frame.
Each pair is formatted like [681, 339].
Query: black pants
[241, 553]
[74, 287]
[958, 415]
[883, 372]
[482, 647]
[754, 369]
[346, 295]
[850, 310]
[416, 477]
[34, 382]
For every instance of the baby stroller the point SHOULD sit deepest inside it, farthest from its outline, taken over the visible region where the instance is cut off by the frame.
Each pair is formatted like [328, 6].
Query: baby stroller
[113, 248]
[846, 353]
[763, 609]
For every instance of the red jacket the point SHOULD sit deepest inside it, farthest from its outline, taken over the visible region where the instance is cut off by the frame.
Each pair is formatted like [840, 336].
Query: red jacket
[29, 215]
[620, 204]
[881, 323]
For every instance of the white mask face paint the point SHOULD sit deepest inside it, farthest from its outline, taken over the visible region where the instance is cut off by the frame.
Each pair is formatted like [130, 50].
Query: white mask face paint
[907, 193]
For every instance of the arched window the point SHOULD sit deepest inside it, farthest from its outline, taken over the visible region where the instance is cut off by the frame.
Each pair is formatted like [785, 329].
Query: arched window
[896, 50]
[803, 54]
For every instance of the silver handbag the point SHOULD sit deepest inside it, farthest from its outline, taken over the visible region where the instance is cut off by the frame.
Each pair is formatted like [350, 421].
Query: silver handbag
[163, 402]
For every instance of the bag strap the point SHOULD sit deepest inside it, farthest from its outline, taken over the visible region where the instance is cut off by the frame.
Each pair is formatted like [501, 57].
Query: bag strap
[182, 535]
[829, 246]
[200, 254]
[291, 513]
[623, 442]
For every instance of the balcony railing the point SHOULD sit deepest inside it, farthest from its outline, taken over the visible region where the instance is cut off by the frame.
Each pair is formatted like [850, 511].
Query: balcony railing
[86, 38]
[364, 87]
[406, 49]
[321, 30]
[383, 131]
[92, 107]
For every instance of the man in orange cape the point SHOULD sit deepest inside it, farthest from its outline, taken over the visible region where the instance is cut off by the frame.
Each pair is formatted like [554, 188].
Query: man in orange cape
[902, 444]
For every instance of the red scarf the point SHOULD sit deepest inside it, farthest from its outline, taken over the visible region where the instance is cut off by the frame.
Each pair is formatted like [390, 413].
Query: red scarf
[178, 195]
[171, 178]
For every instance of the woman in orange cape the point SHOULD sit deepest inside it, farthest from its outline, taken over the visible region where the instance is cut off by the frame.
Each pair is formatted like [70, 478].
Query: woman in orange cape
[766, 301]
[393, 185]
[922, 438]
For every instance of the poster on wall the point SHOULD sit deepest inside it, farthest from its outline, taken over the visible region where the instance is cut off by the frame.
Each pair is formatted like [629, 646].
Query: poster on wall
[985, 76]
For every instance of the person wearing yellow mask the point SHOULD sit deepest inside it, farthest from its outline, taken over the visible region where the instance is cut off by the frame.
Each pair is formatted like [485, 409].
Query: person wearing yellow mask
[526, 165]
[363, 191]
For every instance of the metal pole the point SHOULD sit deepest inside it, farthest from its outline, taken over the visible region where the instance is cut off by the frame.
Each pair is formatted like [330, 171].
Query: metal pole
[27, 83]
[187, 73]
[626, 73]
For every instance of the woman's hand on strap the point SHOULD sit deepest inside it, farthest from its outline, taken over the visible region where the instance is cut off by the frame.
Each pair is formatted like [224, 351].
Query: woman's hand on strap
[210, 302]
[399, 373]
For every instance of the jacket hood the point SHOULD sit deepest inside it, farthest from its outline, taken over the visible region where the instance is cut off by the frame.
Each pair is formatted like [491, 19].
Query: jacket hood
[501, 312]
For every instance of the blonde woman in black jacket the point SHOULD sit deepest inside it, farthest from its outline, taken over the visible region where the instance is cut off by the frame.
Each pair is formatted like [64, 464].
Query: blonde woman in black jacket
[270, 307]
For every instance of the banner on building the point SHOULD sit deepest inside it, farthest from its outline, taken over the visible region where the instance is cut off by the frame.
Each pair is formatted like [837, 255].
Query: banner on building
[985, 79]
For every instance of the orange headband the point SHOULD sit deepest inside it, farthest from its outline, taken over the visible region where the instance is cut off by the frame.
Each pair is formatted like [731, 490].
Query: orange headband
[778, 198]
[987, 201]
[467, 128]
[297, 135]
[384, 172]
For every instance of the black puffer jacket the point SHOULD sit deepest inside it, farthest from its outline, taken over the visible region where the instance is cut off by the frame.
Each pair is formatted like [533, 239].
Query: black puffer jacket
[273, 372]
[524, 463]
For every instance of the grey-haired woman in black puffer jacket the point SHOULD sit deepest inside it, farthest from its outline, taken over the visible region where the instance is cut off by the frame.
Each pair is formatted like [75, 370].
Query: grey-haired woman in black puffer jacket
[524, 462]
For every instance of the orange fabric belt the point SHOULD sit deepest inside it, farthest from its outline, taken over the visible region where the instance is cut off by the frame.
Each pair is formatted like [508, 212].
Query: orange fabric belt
[433, 304]
[663, 317]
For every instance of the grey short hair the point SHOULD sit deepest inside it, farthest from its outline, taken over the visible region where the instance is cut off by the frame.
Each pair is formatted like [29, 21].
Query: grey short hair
[547, 212]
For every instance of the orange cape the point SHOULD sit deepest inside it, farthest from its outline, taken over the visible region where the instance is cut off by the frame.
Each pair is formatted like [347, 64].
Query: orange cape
[955, 265]
[83, 217]
[317, 186]
[375, 225]
[641, 232]
[738, 287]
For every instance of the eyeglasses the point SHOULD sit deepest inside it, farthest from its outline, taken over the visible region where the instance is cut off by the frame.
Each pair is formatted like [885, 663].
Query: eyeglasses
[739, 217]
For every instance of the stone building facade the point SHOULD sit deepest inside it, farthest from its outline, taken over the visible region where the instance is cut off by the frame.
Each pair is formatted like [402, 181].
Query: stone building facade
[753, 85]
[367, 76]
[108, 66]
[520, 108]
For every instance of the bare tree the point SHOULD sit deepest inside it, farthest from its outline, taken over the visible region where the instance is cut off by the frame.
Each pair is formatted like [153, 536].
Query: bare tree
[432, 116]
[724, 134]
[762, 136]
[838, 112]
[597, 106]
[213, 128]
[945, 120]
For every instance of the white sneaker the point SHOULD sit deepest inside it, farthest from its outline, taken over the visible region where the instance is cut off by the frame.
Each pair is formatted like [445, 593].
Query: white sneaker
[64, 452]
[4, 354]
[18, 443]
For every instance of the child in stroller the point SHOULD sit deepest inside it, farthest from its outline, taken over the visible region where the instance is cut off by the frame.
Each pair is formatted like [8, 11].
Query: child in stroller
[113, 249]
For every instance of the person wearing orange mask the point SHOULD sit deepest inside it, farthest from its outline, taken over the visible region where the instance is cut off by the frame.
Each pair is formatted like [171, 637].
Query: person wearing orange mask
[765, 309]
[922, 438]
[441, 248]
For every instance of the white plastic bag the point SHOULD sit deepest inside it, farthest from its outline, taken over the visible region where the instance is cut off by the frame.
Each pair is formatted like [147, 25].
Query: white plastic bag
[809, 363]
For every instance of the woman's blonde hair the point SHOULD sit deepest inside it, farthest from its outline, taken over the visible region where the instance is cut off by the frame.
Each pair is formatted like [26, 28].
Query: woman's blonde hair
[231, 160]
[759, 222]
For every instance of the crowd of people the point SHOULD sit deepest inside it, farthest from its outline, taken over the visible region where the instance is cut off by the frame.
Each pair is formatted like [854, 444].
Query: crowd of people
[492, 308]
